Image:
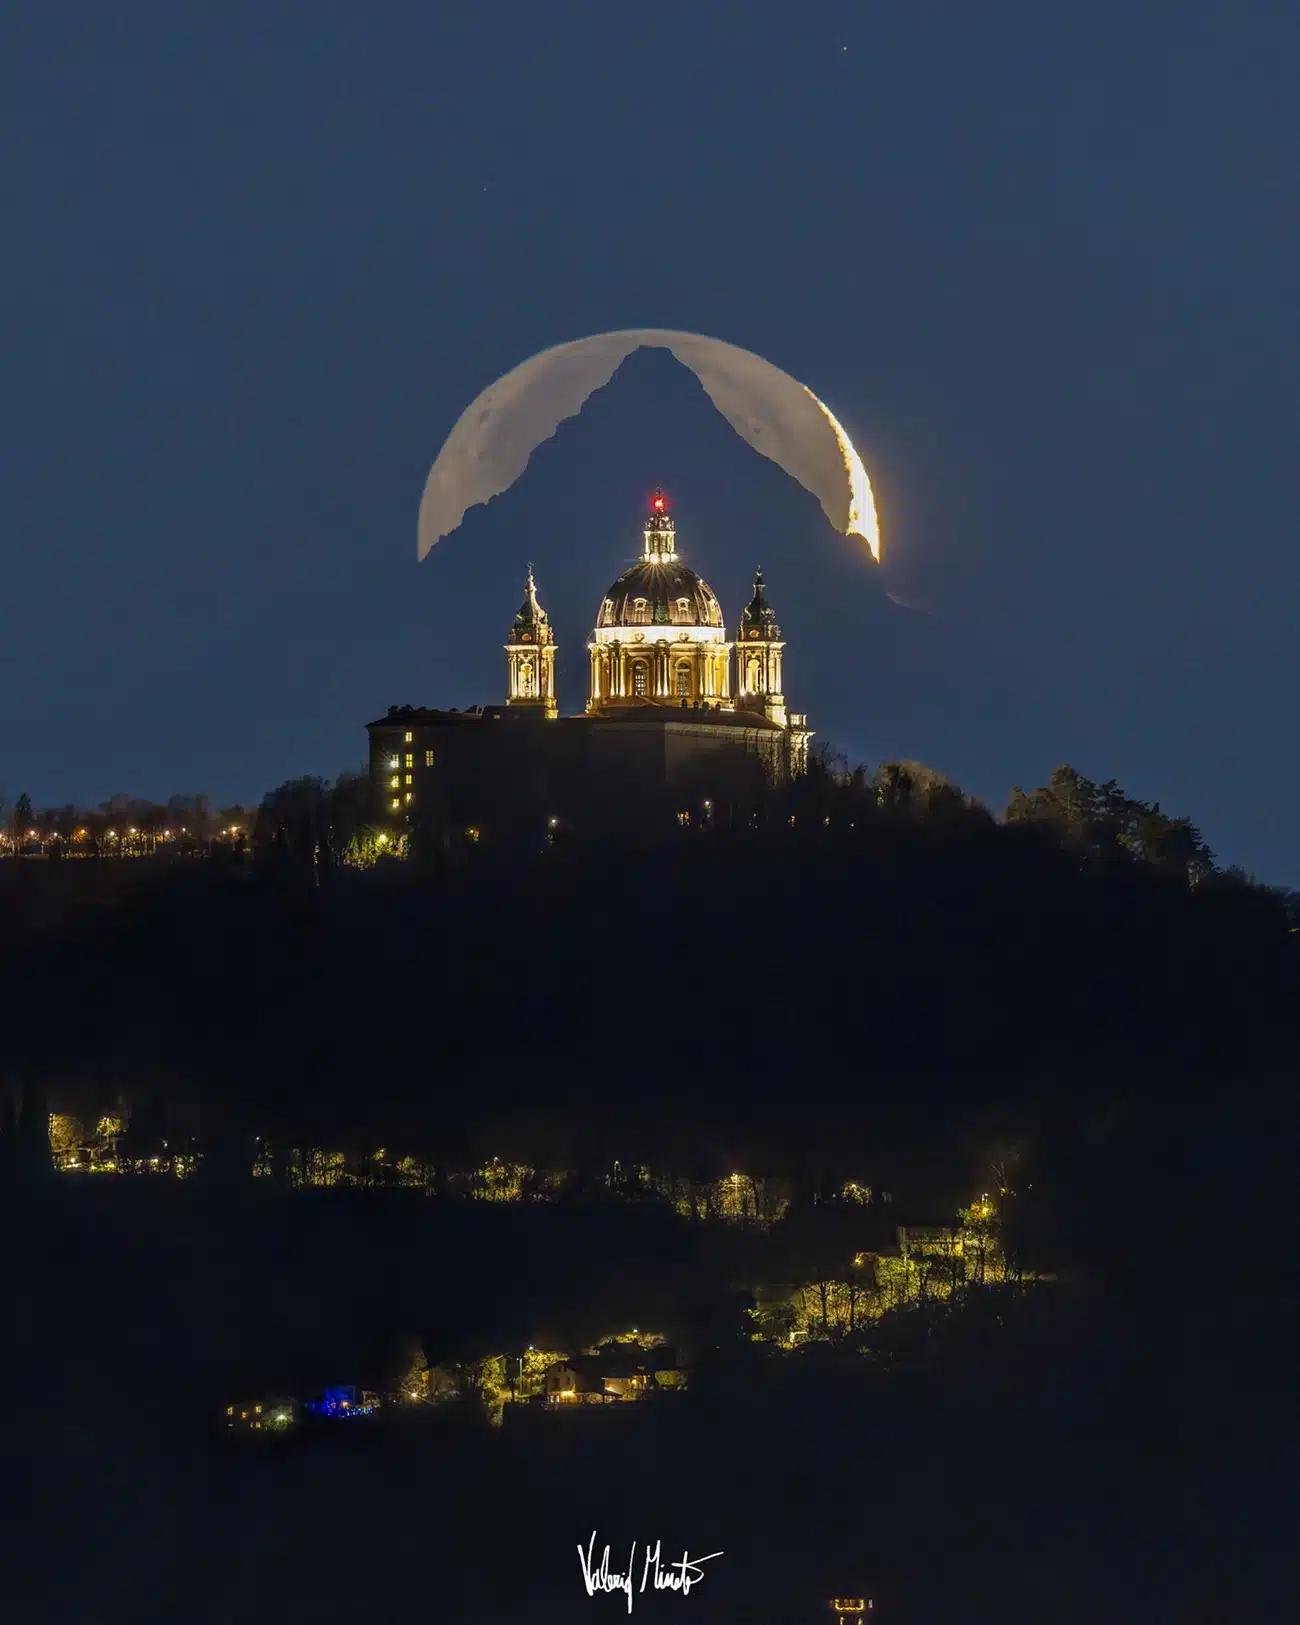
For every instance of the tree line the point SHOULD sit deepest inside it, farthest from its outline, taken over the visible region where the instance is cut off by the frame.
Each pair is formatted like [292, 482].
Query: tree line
[857, 959]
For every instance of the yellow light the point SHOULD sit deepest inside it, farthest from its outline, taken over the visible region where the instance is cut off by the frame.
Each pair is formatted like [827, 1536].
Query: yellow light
[396, 803]
[409, 738]
[862, 506]
[257, 1409]
[381, 840]
[132, 832]
[230, 1410]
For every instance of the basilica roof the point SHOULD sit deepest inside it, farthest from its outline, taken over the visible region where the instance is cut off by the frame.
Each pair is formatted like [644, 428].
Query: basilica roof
[653, 593]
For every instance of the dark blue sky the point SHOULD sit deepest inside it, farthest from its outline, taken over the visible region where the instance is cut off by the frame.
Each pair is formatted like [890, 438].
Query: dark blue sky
[1041, 260]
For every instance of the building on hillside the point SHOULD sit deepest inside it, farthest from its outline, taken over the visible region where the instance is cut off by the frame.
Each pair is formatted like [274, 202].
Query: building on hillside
[677, 716]
[614, 1375]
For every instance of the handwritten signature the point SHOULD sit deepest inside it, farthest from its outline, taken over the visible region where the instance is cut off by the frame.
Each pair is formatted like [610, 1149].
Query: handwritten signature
[656, 1575]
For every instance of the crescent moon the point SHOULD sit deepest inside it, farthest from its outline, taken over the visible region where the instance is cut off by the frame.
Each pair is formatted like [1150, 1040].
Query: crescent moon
[497, 433]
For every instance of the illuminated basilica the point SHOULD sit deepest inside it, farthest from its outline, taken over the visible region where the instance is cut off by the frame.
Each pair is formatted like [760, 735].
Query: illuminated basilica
[660, 641]
[673, 706]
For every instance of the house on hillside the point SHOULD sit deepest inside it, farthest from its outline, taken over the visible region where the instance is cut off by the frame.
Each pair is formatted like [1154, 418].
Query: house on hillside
[273, 1414]
[614, 1375]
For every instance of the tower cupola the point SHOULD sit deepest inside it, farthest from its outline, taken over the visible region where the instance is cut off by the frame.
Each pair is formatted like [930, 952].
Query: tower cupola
[758, 656]
[530, 655]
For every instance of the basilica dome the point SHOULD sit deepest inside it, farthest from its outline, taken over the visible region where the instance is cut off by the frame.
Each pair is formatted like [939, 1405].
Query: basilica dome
[659, 594]
[659, 637]
[659, 590]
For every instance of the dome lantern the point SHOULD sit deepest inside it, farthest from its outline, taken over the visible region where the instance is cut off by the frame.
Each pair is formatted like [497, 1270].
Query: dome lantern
[660, 533]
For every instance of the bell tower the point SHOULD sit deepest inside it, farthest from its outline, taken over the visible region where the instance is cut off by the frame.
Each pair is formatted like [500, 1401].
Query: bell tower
[530, 654]
[758, 658]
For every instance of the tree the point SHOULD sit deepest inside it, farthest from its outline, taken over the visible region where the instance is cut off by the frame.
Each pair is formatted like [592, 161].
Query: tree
[20, 820]
[1108, 827]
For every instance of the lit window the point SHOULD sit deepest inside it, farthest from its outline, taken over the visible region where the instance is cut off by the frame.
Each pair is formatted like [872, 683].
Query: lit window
[409, 797]
[392, 783]
[409, 738]
[396, 804]
[683, 681]
[409, 779]
[428, 758]
[410, 759]
[640, 678]
[394, 761]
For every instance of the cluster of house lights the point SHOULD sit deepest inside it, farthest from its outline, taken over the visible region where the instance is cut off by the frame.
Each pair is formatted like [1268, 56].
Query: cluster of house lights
[229, 832]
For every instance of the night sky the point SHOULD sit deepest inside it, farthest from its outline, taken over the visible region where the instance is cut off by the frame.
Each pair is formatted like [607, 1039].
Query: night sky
[1040, 259]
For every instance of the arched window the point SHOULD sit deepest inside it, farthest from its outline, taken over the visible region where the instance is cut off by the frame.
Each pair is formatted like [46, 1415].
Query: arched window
[683, 681]
[682, 612]
[640, 679]
[640, 611]
[527, 680]
[752, 669]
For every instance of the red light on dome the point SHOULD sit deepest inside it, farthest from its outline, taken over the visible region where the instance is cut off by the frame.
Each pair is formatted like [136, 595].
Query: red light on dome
[660, 502]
